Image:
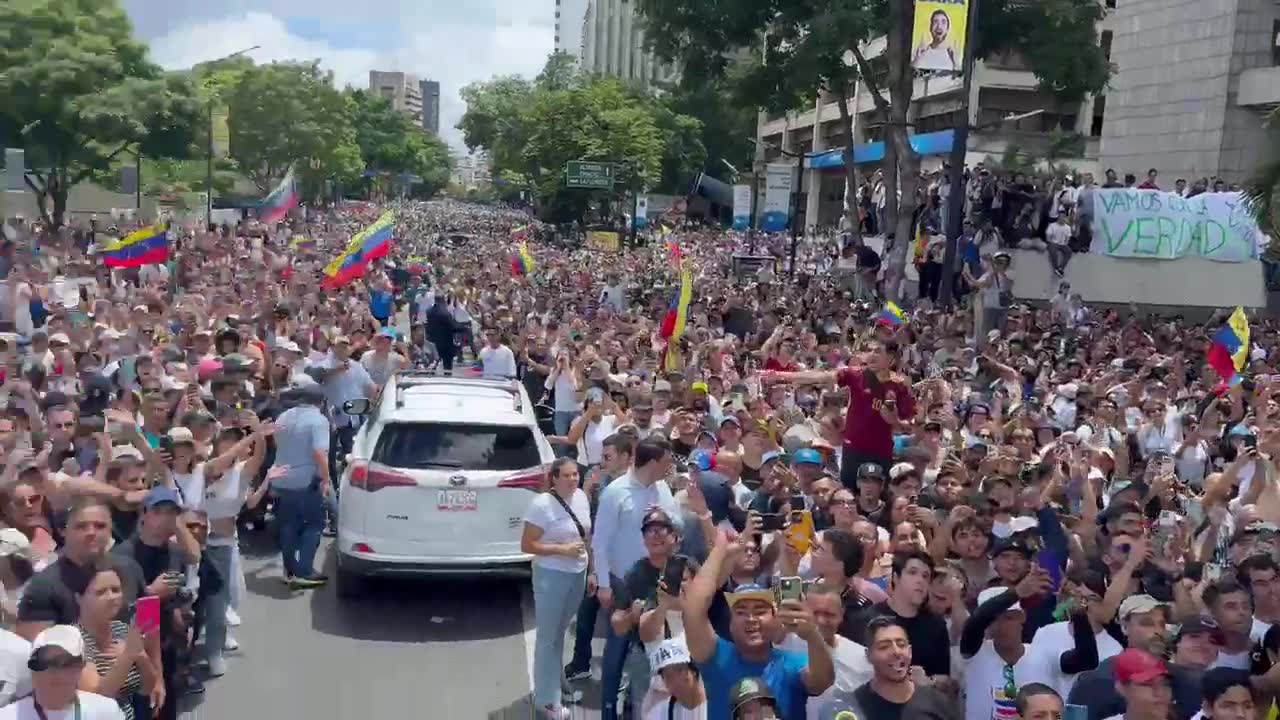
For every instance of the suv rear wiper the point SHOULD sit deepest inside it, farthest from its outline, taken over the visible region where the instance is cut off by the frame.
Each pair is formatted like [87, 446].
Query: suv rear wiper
[440, 463]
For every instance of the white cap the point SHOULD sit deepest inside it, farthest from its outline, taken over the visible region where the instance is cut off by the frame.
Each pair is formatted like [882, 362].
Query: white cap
[60, 337]
[13, 542]
[900, 469]
[289, 346]
[991, 592]
[672, 651]
[66, 637]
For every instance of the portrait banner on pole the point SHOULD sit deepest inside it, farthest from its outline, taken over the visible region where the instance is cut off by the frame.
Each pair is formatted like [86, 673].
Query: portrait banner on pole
[939, 34]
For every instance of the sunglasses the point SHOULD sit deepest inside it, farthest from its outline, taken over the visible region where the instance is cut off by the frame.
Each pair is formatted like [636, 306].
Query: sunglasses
[29, 501]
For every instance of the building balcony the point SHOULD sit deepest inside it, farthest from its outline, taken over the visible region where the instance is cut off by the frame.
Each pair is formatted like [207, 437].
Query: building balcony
[1260, 88]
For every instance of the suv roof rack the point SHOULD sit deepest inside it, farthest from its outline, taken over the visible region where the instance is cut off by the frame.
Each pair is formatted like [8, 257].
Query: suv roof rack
[406, 379]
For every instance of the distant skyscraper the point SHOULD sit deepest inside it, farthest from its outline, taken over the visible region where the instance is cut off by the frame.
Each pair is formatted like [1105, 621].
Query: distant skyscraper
[402, 89]
[430, 106]
[569, 19]
[613, 44]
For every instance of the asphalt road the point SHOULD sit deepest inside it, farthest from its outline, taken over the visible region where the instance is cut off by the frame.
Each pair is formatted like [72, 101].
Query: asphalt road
[447, 650]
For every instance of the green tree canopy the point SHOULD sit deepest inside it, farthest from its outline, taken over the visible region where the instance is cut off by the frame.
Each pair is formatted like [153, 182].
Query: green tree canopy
[286, 114]
[76, 91]
[391, 142]
[531, 130]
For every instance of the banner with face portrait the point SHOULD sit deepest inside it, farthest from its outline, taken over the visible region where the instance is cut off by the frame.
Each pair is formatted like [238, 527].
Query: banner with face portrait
[939, 34]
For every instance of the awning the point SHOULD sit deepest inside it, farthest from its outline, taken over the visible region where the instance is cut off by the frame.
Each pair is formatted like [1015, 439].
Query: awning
[934, 143]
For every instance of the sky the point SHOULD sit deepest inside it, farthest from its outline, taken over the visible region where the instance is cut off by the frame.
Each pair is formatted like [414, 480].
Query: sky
[455, 42]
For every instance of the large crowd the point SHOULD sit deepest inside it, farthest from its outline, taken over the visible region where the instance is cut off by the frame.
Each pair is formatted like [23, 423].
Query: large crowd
[803, 505]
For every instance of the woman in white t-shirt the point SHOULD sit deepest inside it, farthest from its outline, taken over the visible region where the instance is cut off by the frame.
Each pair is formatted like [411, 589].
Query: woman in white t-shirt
[557, 527]
[223, 499]
[600, 417]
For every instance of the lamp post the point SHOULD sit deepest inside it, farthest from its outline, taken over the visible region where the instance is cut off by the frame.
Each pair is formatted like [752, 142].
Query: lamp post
[208, 171]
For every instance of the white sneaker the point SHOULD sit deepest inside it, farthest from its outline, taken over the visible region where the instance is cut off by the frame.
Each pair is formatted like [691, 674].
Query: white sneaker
[217, 666]
[230, 644]
[233, 618]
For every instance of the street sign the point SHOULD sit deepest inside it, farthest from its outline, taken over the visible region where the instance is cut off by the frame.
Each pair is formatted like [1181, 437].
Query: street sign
[582, 174]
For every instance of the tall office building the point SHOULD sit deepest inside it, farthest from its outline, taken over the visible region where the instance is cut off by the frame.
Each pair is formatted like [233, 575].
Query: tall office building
[430, 106]
[569, 17]
[613, 44]
[402, 89]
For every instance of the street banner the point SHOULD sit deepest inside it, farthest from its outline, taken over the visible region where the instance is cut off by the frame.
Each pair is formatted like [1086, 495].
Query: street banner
[603, 240]
[15, 160]
[221, 133]
[642, 212]
[741, 207]
[939, 34]
[1156, 225]
[777, 197]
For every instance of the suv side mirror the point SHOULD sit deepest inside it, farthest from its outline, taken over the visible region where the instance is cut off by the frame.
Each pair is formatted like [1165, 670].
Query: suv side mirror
[358, 406]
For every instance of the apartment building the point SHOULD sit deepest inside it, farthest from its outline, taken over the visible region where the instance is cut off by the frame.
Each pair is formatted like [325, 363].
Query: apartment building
[430, 91]
[402, 89]
[613, 44]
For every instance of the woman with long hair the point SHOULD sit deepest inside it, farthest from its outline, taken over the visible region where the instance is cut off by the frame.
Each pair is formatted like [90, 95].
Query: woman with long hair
[557, 531]
[28, 510]
[116, 662]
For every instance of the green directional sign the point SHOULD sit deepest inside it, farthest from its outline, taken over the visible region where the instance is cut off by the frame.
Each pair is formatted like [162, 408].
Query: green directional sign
[583, 174]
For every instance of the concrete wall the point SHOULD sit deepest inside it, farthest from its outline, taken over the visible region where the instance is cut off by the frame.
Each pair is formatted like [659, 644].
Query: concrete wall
[84, 201]
[1167, 100]
[1243, 131]
[1185, 283]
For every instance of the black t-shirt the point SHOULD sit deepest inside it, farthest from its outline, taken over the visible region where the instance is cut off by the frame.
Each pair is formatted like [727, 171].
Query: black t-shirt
[854, 605]
[123, 524]
[930, 642]
[926, 703]
[640, 583]
[51, 595]
[680, 448]
[154, 561]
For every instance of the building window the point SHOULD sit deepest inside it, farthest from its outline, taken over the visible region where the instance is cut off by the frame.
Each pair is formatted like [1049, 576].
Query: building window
[1106, 44]
[1111, 4]
[1275, 43]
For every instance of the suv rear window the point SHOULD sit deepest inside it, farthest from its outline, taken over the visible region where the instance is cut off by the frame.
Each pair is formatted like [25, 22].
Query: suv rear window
[456, 446]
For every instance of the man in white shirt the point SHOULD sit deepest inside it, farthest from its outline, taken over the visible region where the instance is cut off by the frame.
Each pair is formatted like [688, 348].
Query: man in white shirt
[56, 661]
[853, 669]
[1058, 243]
[496, 358]
[15, 676]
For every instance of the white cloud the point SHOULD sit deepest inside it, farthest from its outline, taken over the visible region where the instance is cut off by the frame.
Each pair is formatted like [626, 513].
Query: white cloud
[455, 43]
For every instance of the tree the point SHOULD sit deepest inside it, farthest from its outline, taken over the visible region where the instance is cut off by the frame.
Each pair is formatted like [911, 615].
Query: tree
[728, 124]
[1262, 189]
[77, 91]
[531, 130]
[391, 142]
[810, 46]
[290, 114]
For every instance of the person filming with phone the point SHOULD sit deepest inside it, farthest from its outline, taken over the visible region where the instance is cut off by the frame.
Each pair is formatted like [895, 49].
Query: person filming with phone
[117, 665]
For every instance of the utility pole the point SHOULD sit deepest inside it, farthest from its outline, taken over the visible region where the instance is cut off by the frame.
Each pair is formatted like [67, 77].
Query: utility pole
[959, 147]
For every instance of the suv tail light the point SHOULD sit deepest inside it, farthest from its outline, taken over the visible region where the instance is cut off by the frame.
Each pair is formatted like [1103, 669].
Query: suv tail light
[535, 479]
[373, 478]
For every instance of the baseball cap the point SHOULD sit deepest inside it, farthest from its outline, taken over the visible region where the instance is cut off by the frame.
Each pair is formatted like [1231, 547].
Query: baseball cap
[59, 338]
[991, 592]
[1009, 543]
[1138, 666]
[181, 435]
[900, 469]
[160, 495]
[289, 346]
[699, 387]
[871, 471]
[672, 651]
[208, 368]
[1198, 624]
[749, 591]
[121, 453]
[702, 460]
[661, 386]
[1138, 604]
[66, 638]
[731, 420]
[389, 333]
[807, 456]
[236, 361]
[747, 690]
[771, 456]
[656, 516]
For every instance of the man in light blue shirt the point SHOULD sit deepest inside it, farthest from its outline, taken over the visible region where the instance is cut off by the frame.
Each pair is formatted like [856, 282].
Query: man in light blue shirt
[343, 379]
[302, 445]
[617, 544]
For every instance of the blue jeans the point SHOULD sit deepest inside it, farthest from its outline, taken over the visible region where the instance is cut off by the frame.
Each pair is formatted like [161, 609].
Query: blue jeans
[555, 597]
[564, 420]
[215, 622]
[585, 631]
[612, 665]
[300, 517]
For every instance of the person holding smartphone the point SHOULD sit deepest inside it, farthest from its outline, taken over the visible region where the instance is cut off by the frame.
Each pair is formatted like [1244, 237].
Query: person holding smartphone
[557, 527]
[116, 662]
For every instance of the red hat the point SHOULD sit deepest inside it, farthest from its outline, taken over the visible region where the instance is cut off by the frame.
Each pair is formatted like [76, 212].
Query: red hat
[1138, 666]
[208, 368]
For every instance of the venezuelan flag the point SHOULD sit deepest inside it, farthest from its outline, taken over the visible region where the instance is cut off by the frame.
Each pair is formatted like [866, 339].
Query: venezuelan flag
[1229, 350]
[149, 246]
[281, 200]
[678, 314]
[368, 245]
[673, 247]
[891, 315]
[522, 263]
[302, 242]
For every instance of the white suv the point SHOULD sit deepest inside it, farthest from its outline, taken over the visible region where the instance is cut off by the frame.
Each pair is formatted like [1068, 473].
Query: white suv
[439, 478]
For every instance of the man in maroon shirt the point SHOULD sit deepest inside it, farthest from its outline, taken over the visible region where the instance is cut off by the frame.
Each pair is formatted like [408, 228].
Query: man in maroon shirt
[881, 404]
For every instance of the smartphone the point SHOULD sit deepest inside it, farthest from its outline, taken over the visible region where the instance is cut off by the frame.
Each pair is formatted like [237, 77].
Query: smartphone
[166, 444]
[146, 614]
[800, 531]
[1251, 441]
[673, 574]
[790, 588]
[771, 522]
[1075, 712]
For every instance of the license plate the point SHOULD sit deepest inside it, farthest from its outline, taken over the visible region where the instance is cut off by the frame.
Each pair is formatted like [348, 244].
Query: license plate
[456, 500]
